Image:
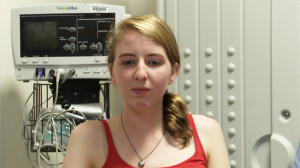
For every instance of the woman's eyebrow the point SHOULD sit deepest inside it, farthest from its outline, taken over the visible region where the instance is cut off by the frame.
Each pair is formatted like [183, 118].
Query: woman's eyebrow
[126, 54]
[155, 54]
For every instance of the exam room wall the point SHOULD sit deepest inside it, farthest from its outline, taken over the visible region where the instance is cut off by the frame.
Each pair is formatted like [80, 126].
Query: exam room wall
[14, 93]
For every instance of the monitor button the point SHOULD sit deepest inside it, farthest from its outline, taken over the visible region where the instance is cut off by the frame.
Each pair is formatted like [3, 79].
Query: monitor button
[66, 47]
[35, 61]
[93, 47]
[72, 39]
[83, 47]
[99, 46]
[72, 47]
[72, 29]
[24, 61]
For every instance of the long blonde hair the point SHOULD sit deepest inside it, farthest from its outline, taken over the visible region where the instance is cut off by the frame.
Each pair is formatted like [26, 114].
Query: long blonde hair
[174, 108]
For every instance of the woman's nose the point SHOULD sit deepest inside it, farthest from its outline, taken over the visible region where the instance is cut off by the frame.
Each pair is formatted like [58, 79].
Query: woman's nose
[141, 72]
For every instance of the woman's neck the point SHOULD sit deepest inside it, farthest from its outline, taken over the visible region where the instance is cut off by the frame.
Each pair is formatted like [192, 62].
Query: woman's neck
[146, 121]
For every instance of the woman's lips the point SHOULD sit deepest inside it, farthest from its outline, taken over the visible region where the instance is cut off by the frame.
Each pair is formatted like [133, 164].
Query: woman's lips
[141, 91]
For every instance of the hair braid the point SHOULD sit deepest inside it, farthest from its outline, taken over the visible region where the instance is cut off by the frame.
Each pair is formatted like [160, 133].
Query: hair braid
[176, 119]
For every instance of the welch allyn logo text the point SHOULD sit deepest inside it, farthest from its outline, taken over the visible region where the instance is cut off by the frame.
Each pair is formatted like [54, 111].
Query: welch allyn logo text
[66, 8]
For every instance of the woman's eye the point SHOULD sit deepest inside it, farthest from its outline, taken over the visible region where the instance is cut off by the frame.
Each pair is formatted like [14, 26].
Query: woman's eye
[128, 62]
[154, 62]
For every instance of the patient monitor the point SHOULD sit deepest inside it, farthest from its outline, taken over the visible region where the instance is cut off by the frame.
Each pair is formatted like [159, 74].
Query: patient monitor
[69, 36]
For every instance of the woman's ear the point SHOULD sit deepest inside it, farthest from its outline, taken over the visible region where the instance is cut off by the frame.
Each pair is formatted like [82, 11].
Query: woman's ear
[111, 74]
[175, 72]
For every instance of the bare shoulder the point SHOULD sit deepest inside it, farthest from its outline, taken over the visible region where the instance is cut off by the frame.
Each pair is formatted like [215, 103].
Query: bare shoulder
[206, 124]
[90, 131]
[88, 128]
[209, 130]
[85, 143]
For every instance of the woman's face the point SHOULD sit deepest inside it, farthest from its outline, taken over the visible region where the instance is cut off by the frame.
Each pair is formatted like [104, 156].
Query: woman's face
[141, 71]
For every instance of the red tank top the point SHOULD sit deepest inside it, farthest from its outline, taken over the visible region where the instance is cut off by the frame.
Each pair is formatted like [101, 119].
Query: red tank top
[198, 160]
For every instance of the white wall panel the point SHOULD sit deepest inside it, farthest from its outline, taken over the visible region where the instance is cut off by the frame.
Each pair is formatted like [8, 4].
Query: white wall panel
[246, 54]
[257, 83]
[210, 58]
[188, 46]
[232, 67]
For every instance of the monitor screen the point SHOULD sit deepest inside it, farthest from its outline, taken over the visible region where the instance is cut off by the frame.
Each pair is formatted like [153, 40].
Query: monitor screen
[39, 36]
[65, 35]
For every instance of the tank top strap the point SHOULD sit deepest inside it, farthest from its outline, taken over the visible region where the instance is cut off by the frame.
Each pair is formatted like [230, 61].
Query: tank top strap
[113, 159]
[197, 141]
[110, 143]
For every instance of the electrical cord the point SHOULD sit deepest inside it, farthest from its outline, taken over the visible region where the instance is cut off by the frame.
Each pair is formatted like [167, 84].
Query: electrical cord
[51, 115]
[51, 120]
[39, 145]
[45, 159]
[25, 130]
[58, 73]
[67, 76]
[24, 126]
[25, 119]
[55, 114]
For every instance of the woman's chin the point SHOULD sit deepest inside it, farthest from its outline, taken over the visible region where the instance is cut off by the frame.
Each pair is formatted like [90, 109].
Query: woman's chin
[142, 105]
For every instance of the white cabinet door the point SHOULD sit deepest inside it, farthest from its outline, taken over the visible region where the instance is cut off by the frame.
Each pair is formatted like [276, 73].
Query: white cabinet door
[285, 82]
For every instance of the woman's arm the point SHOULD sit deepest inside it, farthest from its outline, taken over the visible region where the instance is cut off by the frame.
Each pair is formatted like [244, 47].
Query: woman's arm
[212, 139]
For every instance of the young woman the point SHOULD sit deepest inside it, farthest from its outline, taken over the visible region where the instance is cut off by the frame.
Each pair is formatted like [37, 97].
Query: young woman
[154, 129]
